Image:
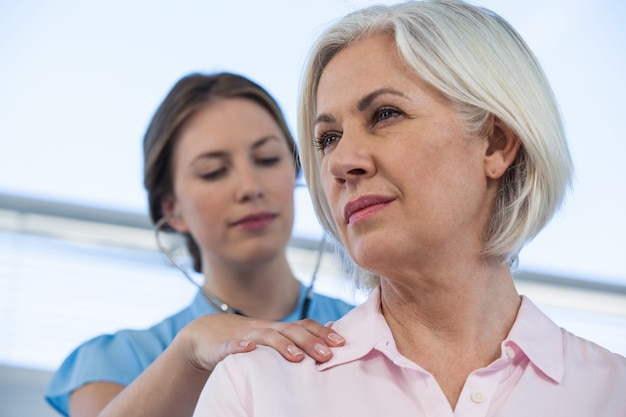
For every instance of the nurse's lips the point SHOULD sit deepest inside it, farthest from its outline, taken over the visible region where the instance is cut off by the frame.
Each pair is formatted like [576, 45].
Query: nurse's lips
[364, 206]
[255, 221]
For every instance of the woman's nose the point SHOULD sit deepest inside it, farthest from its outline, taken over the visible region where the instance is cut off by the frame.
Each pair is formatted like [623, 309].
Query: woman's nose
[351, 158]
[249, 186]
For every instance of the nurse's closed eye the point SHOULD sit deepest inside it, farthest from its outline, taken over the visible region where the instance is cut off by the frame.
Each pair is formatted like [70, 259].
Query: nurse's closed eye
[268, 161]
[214, 174]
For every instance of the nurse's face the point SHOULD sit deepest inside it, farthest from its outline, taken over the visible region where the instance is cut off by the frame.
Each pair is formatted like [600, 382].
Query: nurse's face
[234, 178]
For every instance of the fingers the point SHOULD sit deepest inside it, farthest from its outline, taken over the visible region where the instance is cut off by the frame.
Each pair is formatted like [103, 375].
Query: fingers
[271, 336]
[216, 336]
[309, 337]
[239, 346]
[328, 335]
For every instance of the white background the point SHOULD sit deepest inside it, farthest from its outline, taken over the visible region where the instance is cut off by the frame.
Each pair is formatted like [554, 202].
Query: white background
[79, 81]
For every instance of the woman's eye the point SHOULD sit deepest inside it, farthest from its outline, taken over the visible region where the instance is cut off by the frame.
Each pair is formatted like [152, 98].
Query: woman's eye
[270, 161]
[323, 141]
[385, 113]
[213, 175]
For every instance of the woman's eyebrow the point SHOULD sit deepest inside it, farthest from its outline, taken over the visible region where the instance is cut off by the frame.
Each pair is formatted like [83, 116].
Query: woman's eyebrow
[262, 141]
[210, 155]
[363, 104]
[323, 118]
[224, 154]
[366, 101]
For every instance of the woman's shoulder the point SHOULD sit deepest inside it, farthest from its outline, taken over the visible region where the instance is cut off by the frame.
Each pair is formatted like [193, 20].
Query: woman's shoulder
[580, 351]
[121, 355]
[117, 357]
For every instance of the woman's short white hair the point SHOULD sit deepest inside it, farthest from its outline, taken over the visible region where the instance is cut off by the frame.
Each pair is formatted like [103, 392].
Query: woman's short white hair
[476, 59]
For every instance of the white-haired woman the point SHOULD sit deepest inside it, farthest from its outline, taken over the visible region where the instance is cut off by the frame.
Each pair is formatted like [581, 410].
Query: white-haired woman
[434, 151]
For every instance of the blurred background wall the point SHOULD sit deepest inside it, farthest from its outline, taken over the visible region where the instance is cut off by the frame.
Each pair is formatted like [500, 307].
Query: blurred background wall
[80, 80]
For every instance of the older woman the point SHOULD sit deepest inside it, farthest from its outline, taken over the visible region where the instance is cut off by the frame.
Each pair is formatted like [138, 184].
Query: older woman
[434, 151]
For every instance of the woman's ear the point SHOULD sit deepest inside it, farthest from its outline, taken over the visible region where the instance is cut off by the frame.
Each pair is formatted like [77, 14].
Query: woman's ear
[169, 208]
[502, 149]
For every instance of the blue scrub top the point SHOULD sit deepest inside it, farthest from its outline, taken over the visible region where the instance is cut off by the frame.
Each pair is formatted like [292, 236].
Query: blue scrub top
[120, 357]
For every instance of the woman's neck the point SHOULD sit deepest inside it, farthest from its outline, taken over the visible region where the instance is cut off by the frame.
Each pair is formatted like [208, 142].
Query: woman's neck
[266, 290]
[453, 304]
[451, 324]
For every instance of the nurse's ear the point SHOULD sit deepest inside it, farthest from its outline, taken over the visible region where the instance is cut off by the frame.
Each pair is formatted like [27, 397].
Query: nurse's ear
[501, 150]
[170, 211]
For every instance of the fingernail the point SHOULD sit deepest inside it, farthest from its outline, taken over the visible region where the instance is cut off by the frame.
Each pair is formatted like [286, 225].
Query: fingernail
[321, 349]
[335, 338]
[245, 343]
[294, 351]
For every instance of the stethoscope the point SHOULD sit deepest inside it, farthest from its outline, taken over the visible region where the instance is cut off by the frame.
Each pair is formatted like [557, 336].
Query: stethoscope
[212, 299]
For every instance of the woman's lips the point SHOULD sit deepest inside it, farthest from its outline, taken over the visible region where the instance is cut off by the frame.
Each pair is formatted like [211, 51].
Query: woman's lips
[364, 206]
[256, 221]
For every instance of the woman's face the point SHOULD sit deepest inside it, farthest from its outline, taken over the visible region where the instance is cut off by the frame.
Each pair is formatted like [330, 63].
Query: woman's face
[404, 182]
[234, 178]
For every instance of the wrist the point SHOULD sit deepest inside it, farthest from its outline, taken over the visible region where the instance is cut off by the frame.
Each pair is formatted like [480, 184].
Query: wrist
[184, 347]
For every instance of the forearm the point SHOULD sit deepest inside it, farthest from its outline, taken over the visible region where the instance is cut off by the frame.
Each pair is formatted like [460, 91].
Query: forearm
[170, 387]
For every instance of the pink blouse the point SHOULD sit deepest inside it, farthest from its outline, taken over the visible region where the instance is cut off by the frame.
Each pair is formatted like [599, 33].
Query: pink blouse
[542, 371]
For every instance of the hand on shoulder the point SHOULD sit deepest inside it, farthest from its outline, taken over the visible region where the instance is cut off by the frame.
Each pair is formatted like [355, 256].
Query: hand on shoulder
[212, 337]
